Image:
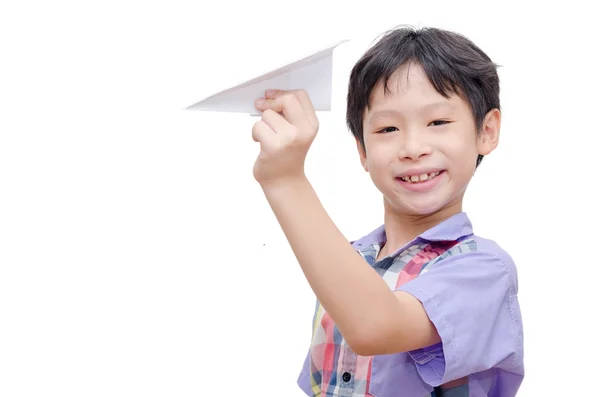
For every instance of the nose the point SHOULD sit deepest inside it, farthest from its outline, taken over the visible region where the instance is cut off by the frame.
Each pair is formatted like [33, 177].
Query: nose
[413, 146]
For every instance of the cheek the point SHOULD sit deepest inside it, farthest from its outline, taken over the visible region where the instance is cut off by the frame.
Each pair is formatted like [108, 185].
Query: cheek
[461, 148]
[377, 161]
[463, 165]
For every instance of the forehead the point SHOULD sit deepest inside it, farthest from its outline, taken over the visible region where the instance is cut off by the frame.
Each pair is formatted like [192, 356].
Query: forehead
[409, 91]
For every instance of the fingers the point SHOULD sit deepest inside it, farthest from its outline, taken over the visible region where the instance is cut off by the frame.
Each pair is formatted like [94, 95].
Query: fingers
[307, 105]
[295, 105]
[262, 133]
[289, 106]
[277, 123]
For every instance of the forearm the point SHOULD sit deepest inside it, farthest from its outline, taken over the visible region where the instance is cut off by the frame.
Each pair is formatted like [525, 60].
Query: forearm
[353, 294]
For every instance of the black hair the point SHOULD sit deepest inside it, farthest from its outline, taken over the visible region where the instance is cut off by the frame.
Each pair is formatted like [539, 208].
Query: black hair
[452, 62]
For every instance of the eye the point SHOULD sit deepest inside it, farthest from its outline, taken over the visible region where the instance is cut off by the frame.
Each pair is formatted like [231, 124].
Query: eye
[388, 129]
[439, 122]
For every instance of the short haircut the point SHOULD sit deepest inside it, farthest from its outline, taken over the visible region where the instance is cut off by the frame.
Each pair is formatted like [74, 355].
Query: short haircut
[452, 62]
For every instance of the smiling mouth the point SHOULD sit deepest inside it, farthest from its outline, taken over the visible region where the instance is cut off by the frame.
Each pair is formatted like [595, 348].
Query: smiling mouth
[419, 178]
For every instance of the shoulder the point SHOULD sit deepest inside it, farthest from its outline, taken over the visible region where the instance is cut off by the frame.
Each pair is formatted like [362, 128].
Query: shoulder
[478, 255]
[470, 295]
[491, 250]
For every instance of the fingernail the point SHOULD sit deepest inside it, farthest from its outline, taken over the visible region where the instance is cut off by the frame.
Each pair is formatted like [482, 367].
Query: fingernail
[270, 92]
[259, 101]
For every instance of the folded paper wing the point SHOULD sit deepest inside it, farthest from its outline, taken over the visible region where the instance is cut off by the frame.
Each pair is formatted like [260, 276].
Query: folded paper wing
[312, 73]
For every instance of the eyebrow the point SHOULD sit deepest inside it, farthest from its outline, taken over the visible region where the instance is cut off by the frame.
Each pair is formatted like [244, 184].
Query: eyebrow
[397, 113]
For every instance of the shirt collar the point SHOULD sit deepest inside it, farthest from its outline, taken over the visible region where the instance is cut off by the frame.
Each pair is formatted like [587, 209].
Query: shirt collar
[451, 229]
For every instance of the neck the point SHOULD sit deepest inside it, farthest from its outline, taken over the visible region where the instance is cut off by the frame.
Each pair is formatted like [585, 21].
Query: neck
[402, 228]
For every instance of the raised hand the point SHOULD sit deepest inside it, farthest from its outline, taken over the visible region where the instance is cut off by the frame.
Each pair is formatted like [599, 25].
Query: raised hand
[286, 130]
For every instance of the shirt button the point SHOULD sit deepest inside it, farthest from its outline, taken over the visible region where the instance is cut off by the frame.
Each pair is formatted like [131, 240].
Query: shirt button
[346, 376]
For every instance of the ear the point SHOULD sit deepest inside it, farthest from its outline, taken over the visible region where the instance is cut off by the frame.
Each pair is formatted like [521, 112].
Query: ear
[362, 154]
[490, 132]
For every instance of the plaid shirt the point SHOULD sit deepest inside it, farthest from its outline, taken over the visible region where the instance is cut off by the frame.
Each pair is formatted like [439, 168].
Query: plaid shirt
[468, 286]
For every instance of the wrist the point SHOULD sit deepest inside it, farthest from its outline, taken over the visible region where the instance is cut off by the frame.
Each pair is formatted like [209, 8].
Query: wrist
[285, 185]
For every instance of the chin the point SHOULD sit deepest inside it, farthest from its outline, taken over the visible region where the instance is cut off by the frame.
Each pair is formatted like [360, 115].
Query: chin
[424, 211]
[418, 209]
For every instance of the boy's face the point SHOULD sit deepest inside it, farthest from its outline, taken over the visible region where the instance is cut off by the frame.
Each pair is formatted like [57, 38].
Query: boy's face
[421, 148]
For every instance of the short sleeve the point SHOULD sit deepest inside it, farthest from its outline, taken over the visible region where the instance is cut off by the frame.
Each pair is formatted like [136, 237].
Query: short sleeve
[471, 298]
[304, 376]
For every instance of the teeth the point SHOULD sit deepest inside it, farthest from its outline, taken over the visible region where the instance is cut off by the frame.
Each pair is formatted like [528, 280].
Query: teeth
[419, 178]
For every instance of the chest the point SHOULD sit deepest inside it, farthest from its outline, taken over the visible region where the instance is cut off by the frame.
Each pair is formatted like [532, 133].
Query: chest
[335, 369]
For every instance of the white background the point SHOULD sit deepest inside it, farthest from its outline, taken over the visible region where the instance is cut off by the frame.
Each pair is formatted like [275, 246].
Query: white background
[137, 254]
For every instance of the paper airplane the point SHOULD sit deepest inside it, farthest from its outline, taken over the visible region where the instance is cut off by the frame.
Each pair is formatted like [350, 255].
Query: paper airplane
[312, 73]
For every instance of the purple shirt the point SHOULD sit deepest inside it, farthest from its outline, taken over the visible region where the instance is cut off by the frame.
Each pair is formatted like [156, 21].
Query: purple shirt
[468, 286]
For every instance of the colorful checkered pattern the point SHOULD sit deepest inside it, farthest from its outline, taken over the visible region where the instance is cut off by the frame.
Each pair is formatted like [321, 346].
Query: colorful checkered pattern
[335, 369]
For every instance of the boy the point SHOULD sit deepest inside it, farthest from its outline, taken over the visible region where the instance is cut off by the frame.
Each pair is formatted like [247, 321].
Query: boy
[421, 306]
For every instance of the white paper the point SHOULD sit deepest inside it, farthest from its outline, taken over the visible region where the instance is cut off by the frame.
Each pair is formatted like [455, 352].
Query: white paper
[312, 73]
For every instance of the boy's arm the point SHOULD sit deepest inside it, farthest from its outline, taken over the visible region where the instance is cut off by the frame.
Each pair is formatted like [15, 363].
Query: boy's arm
[372, 319]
